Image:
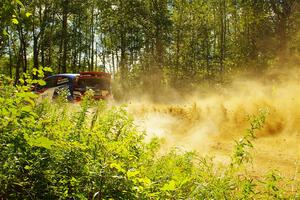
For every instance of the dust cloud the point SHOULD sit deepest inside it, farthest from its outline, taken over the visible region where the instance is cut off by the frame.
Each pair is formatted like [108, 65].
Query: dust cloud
[210, 121]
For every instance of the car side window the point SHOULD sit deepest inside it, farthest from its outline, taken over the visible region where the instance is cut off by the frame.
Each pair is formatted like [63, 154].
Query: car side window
[50, 82]
[61, 80]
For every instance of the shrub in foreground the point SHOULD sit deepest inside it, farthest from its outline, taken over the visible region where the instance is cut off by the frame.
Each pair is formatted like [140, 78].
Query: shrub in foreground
[59, 150]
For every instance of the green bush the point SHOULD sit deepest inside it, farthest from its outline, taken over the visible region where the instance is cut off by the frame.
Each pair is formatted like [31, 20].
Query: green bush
[57, 150]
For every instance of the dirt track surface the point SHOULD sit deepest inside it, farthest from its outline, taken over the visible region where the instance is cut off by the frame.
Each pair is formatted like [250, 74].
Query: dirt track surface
[211, 124]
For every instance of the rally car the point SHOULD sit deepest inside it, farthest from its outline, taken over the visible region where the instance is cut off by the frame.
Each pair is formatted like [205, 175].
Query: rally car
[76, 85]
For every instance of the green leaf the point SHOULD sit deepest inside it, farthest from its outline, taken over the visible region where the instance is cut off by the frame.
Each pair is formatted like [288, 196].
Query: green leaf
[19, 2]
[39, 142]
[34, 70]
[27, 167]
[28, 14]
[5, 32]
[26, 109]
[118, 167]
[47, 69]
[14, 21]
[41, 82]
[145, 181]
[132, 173]
[170, 186]
[21, 81]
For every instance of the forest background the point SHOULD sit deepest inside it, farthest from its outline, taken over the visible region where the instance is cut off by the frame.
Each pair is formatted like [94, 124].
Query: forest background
[150, 44]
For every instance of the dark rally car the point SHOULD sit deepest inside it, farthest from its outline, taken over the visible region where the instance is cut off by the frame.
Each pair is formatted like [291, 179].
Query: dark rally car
[76, 85]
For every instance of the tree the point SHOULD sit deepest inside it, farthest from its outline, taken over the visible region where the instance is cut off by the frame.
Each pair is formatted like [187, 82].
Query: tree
[283, 10]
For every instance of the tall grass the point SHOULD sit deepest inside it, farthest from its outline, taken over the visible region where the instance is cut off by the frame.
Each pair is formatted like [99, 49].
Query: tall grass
[57, 150]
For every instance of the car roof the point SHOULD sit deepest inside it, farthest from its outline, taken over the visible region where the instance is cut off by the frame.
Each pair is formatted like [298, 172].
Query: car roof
[69, 75]
[65, 75]
[83, 74]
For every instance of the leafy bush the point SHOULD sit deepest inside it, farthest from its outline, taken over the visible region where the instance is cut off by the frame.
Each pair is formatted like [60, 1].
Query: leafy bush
[57, 150]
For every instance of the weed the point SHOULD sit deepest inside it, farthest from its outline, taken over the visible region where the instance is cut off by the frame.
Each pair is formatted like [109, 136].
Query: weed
[90, 151]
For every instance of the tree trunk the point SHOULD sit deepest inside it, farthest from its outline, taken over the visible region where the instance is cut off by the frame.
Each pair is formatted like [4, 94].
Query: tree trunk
[23, 51]
[222, 35]
[282, 36]
[113, 63]
[65, 36]
[123, 61]
[10, 58]
[35, 49]
[92, 40]
[117, 57]
[19, 64]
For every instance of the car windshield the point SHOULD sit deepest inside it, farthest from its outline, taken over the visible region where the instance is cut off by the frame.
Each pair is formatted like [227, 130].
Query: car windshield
[94, 83]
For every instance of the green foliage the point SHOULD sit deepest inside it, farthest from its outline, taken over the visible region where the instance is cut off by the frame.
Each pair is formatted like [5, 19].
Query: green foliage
[58, 150]
[241, 151]
[155, 43]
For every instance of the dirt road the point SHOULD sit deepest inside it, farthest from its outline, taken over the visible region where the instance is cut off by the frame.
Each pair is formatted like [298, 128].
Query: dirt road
[211, 124]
